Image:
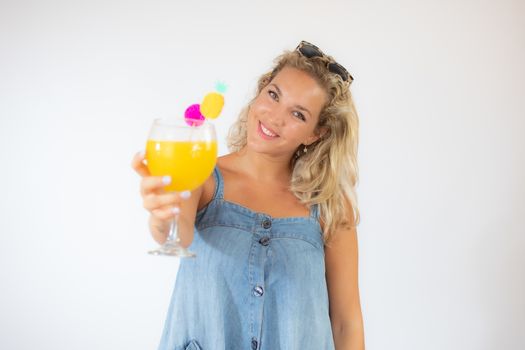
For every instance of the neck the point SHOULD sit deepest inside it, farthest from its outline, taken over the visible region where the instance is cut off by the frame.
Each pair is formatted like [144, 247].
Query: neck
[264, 168]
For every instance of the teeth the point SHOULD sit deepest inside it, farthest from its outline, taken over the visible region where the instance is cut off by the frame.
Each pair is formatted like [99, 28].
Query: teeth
[267, 132]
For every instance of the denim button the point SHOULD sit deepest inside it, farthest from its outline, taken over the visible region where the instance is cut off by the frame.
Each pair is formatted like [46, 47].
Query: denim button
[254, 343]
[266, 224]
[265, 240]
[258, 291]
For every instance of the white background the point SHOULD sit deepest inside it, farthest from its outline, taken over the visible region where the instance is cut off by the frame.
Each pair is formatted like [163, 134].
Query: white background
[439, 86]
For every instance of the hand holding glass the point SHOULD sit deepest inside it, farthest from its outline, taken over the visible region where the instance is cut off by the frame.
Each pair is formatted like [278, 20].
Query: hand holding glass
[188, 155]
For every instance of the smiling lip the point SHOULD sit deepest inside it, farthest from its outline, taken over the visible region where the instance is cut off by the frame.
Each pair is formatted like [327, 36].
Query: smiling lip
[265, 134]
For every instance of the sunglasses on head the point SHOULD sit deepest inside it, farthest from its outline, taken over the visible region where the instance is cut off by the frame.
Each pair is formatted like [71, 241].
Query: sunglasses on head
[310, 50]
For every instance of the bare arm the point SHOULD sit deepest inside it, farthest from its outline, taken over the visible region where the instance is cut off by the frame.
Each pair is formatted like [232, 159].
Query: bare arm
[341, 260]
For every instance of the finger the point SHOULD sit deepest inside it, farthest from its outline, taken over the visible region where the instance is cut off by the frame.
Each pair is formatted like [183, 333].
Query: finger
[154, 201]
[138, 164]
[166, 213]
[153, 184]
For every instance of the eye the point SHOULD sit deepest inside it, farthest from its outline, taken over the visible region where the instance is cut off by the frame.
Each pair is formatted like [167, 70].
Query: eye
[299, 115]
[273, 95]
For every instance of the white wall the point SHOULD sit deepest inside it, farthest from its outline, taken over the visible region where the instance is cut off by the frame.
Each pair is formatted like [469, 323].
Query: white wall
[439, 87]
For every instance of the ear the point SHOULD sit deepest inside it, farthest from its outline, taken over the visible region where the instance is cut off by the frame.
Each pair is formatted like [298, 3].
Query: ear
[319, 133]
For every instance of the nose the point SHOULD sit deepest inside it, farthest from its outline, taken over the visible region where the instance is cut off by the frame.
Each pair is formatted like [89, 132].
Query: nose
[277, 117]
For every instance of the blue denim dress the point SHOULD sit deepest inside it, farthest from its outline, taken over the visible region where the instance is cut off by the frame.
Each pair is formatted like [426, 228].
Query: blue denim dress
[257, 283]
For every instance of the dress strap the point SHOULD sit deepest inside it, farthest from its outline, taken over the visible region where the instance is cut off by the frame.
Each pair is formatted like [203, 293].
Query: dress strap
[219, 184]
[314, 211]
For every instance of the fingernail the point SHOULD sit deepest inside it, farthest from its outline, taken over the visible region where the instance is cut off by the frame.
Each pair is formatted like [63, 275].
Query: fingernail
[175, 210]
[185, 194]
[166, 180]
[142, 153]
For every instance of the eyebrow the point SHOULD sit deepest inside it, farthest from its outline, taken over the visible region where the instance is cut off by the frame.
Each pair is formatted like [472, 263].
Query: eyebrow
[304, 109]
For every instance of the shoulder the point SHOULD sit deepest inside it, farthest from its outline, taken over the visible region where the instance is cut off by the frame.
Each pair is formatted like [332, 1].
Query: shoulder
[341, 250]
[345, 228]
[224, 164]
[227, 163]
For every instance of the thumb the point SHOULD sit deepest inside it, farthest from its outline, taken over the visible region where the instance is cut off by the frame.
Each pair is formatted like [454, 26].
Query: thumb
[138, 164]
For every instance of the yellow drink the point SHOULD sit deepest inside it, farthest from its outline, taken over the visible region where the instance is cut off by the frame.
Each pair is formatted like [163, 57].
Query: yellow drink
[188, 163]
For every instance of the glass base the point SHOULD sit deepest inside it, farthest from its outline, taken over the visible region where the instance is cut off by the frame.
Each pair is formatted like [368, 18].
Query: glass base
[172, 250]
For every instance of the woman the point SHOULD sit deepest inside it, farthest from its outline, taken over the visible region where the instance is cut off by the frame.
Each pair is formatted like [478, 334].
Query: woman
[274, 226]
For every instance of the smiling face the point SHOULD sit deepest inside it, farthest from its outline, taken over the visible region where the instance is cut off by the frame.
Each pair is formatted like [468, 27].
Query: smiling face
[285, 113]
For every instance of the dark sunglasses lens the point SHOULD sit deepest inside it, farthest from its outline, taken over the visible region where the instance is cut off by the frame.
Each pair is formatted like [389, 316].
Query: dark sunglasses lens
[336, 68]
[310, 51]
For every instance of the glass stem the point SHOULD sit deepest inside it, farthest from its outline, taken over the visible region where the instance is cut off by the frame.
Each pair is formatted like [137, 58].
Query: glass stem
[173, 237]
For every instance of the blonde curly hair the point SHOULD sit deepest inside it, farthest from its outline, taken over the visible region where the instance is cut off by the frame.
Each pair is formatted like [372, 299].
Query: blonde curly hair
[327, 173]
